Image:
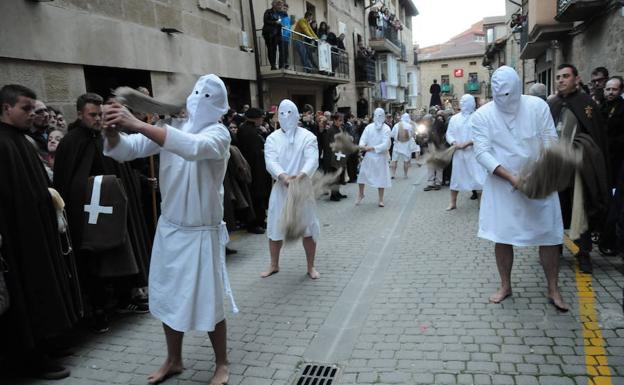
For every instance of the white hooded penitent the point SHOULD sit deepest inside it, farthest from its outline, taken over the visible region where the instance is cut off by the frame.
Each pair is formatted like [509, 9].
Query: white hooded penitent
[288, 116]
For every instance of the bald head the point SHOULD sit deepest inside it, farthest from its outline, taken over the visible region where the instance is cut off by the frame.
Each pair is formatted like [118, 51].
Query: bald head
[539, 90]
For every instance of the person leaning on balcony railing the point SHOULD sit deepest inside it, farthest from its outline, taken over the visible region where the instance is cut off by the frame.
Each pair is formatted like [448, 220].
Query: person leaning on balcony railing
[286, 32]
[303, 43]
[272, 32]
[373, 17]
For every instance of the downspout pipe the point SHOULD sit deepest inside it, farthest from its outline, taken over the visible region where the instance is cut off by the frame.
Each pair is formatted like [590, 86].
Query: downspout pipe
[256, 55]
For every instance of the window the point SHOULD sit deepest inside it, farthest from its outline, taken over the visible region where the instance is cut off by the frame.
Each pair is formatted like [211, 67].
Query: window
[444, 66]
[310, 7]
[490, 35]
[479, 38]
[545, 77]
[473, 63]
[444, 79]
[473, 77]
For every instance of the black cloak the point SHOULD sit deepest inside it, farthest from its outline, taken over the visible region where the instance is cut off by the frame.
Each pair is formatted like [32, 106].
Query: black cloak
[590, 122]
[79, 155]
[42, 281]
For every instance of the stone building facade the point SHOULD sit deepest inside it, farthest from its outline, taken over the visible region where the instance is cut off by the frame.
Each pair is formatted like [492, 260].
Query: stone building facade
[66, 47]
[587, 34]
[457, 67]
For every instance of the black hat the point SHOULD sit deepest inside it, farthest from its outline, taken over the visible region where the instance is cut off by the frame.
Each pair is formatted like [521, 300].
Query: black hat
[254, 113]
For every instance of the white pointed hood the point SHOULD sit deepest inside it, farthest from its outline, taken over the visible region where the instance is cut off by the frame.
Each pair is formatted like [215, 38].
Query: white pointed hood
[379, 117]
[467, 104]
[206, 104]
[506, 90]
[405, 118]
[288, 116]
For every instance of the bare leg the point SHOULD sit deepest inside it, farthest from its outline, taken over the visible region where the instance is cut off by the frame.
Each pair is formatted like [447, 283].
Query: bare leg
[381, 196]
[504, 262]
[453, 204]
[218, 338]
[393, 168]
[549, 256]
[274, 250]
[360, 195]
[406, 166]
[173, 362]
[310, 250]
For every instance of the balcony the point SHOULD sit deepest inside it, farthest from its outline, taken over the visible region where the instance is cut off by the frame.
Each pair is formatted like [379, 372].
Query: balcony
[446, 88]
[384, 92]
[364, 71]
[386, 40]
[307, 60]
[540, 27]
[578, 10]
[403, 56]
[472, 88]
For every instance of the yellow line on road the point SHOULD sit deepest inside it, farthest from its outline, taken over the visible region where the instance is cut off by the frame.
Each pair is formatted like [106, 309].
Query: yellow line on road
[595, 353]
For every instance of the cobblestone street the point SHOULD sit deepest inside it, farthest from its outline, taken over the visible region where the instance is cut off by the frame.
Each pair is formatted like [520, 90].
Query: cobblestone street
[402, 299]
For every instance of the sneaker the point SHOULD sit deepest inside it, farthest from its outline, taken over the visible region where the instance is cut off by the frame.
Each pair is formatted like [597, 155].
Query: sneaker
[52, 371]
[437, 187]
[133, 307]
[342, 196]
[229, 251]
[474, 195]
[255, 230]
[584, 261]
[429, 188]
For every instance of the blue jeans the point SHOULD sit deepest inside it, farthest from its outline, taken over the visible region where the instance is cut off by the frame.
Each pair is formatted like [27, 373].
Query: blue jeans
[304, 54]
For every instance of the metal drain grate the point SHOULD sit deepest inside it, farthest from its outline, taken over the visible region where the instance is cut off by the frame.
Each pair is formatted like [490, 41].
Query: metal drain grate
[313, 374]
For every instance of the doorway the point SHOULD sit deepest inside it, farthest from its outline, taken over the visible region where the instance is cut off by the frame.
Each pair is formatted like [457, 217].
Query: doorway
[103, 80]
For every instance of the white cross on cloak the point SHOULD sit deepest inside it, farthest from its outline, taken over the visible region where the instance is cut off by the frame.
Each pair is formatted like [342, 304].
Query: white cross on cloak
[93, 208]
[340, 155]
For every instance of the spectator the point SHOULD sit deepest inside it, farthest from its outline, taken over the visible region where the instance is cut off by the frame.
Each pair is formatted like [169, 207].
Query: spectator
[54, 138]
[272, 32]
[102, 261]
[251, 145]
[61, 124]
[435, 90]
[599, 78]
[613, 114]
[323, 31]
[286, 32]
[539, 90]
[373, 17]
[39, 130]
[303, 41]
[41, 281]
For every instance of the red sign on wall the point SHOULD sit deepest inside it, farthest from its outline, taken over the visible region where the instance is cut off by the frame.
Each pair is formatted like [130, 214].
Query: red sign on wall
[458, 73]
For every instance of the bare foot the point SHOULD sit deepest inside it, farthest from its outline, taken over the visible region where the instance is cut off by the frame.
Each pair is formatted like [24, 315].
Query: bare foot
[221, 375]
[359, 200]
[167, 370]
[500, 295]
[451, 207]
[272, 270]
[381, 204]
[313, 274]
[558, 302]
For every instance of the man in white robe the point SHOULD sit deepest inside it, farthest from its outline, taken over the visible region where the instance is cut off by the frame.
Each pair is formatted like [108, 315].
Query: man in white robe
[404, 144]
[187, 276]
[508, 133]
[289, 153]
[467, 174]
[374, 170]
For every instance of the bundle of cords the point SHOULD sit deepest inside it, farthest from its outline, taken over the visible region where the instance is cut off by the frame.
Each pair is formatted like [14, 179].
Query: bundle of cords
[343, 142]
[441, 159]
[300, 200]
[552, 171]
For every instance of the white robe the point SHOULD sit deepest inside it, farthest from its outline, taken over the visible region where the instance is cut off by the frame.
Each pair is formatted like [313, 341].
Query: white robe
[403, 148]
[467, 174]
[506, 215]
[187, 275]
[374, 170]
[283, 157]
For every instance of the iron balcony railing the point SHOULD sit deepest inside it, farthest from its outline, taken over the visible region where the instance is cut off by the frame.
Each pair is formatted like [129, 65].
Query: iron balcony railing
[304, 54]
[446, 88]
[472, 87]
[389, 33]
[364, 69]
[577, 10]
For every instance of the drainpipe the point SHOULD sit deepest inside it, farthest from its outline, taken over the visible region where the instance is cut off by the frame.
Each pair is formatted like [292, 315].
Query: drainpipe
[256, 53]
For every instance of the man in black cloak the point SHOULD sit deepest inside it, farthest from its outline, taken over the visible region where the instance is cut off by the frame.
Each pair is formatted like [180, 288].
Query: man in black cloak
[78, 157]
[251, 145]
[332, 161]
[41, 280]
[578, 120]
[435, 90]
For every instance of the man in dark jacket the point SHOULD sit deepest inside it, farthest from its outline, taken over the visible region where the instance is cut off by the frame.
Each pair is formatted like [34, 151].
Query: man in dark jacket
[272, 32]
[332, 161]
[78, 157]
[578, 120]
[251, 145]
[41, 280]
[613, 114]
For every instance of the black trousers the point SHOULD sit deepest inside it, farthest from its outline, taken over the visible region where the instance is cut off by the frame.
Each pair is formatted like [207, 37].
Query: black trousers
[272, 44]
[283, 53]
